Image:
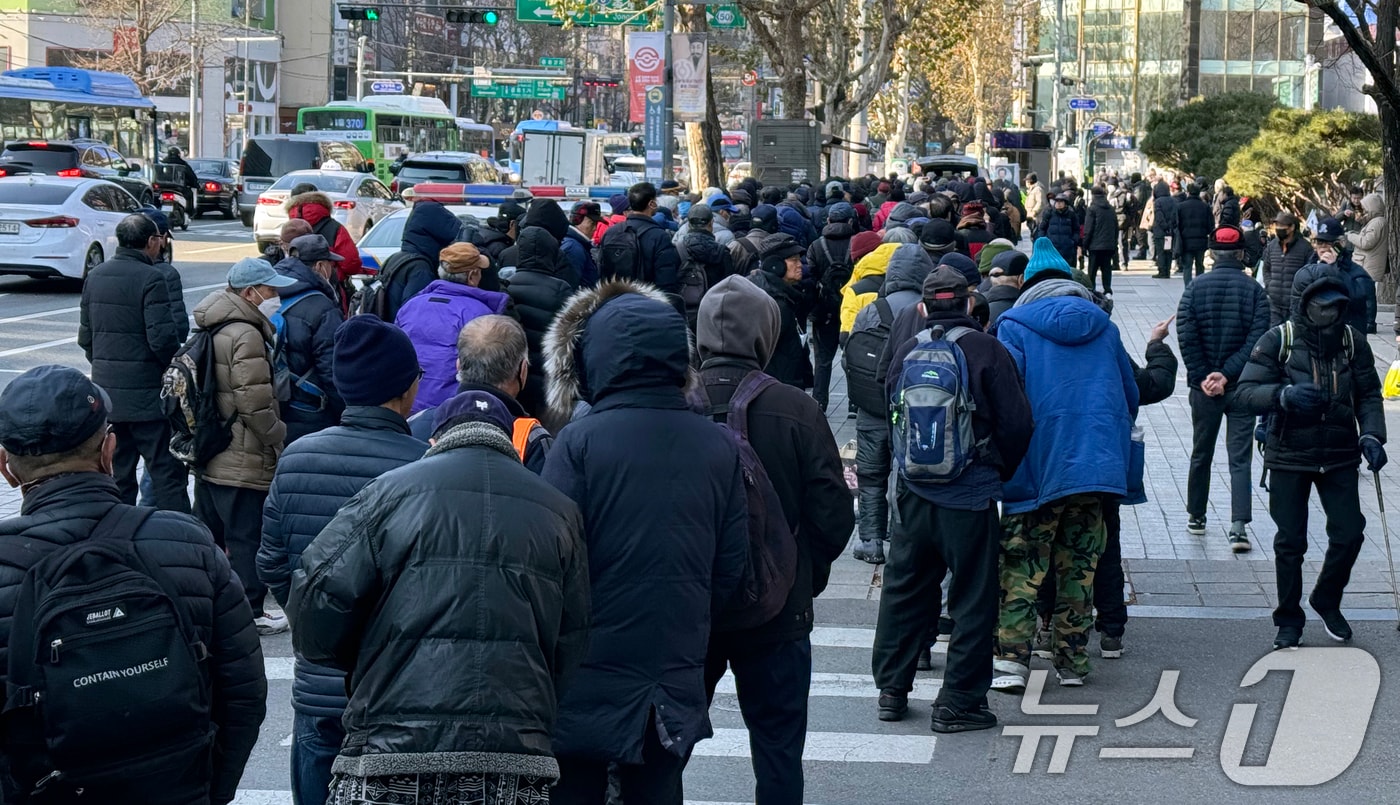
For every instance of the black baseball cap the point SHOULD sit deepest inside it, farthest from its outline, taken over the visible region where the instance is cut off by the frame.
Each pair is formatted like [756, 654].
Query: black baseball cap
[510, 211]
[313, 248]
[50, 409]
[586, 209]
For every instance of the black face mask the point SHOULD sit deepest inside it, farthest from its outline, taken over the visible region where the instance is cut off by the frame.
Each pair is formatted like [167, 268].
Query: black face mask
[1324, 314]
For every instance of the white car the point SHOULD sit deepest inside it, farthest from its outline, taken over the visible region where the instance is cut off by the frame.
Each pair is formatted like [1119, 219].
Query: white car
[360, 201]
[57, 227]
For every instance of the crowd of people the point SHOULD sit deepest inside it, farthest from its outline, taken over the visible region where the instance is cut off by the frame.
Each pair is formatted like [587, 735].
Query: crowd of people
[529, 496]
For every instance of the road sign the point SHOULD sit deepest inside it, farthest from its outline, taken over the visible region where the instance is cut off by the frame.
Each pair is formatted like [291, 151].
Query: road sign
[429, 24]
[547, 89]
[233, 121]
[655, 133]
[1083, 103]
[1102, 128]
[1116, 142]
[725, 17]
[606, 12]
[750, 78]
[389, 87]
[552, 62]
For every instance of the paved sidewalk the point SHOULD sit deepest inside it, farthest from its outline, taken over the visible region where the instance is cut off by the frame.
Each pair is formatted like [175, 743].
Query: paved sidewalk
[1170, 572]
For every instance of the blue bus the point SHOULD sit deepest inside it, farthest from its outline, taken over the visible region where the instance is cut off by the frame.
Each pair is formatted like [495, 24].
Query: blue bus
[66, 103]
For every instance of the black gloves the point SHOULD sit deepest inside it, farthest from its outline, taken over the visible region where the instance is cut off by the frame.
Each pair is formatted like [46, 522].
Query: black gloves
[1374, 452]
[1305, 399]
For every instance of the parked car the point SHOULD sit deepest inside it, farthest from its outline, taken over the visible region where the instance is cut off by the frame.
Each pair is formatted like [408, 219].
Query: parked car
[949, 166]
[59, 227]
[218, 187]
[267, 159]
[443, 166]
[89, 159]
[359, 199]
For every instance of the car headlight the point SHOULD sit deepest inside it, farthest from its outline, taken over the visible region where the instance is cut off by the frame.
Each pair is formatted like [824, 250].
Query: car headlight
[514, 177]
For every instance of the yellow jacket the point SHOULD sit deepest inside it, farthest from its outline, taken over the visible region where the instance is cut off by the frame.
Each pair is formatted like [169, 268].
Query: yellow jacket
[873, 264]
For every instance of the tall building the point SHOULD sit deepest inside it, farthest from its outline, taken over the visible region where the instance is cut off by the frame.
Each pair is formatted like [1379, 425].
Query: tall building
[1135, 56]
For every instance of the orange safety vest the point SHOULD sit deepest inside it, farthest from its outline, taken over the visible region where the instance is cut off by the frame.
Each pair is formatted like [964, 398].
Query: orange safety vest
[520, 437]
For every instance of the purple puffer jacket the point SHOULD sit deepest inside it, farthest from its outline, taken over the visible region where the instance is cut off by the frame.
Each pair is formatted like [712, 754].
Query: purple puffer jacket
[432, 320]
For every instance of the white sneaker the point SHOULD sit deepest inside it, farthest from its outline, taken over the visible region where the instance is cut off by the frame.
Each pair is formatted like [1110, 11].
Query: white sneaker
[1009, 676]
[271, 623]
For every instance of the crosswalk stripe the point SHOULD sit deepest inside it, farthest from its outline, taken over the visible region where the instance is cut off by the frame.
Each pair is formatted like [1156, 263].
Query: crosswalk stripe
[839, 747]
[854, 685]
[266, 797]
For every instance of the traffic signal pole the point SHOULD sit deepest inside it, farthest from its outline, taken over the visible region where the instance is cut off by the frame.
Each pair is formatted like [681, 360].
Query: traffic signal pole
[668, 137]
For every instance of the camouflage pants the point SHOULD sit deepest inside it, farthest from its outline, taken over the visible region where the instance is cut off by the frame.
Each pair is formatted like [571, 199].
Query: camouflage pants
[1069, 535]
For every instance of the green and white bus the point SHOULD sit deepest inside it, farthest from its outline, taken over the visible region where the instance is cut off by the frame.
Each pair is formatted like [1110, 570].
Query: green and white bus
[384, 127]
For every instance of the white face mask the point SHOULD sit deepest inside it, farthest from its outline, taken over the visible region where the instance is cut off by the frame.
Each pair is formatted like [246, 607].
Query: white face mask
[269, 307]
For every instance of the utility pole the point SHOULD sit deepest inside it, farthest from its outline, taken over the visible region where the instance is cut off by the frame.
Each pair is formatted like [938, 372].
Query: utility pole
[668, 23]
[196, 73]
[1055, 127]
[246, 106]
[360, 68]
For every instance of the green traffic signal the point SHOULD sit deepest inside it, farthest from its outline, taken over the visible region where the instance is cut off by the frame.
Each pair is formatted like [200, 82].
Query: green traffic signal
[371, 13]
[490, 18]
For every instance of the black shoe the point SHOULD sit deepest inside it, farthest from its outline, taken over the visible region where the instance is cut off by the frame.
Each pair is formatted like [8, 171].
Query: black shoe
[1239, 540]
[1288, 637]
[1161, 276]
[1337, 627]
[946, 719]
[1196, 526]
[1110, 647]
[925, 660]
[870, 551]
[893, 706]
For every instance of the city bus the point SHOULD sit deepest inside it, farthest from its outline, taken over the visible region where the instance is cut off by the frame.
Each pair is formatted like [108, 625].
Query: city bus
[477, 138]
[384, 127]
[734, 146]
[66, 103]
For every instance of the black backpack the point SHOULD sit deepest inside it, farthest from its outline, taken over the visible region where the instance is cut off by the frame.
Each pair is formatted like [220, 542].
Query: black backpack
[837, 274]
[373, 296]
[107, 678]
[189, 389]
[861, 360]
[693, 278]
[620, 254]
[772, 566]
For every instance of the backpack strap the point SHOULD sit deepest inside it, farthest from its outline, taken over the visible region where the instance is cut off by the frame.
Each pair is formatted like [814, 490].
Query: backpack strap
[737, 410]
[1285, 342]
[884, 311]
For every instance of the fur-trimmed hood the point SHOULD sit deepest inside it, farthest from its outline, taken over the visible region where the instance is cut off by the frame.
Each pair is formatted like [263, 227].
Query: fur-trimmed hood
[313, 197]
[640, 341]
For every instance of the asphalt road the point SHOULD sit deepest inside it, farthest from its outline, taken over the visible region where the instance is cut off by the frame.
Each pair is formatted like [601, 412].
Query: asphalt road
[853, 759]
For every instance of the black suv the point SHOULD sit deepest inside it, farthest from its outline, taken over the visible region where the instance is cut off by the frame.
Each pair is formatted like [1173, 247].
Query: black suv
[90, 159]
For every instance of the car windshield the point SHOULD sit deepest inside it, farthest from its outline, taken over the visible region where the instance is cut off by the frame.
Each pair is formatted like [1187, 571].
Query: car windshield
[326, 184]
[432, 172]
[276, 157]
[209, 167]
[41, 160]
[35, 195]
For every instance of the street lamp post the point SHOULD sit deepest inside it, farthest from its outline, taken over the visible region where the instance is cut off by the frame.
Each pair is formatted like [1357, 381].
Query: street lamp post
[668, 23]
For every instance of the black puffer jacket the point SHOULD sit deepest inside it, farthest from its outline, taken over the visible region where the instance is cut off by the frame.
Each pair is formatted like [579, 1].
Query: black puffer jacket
[175, 289]
[128, 333]
[1220, 318]
[315, 477]
[1164, 210]
[1281, 263]
[546, 214]
[1226, 209]
[1062, 228]
[1194, 222]
[64, 510]
[791, 363]
[664, 514]
[538, 293]
[308, 342]
[1331, 441]
[454, 590]
[1100, 226]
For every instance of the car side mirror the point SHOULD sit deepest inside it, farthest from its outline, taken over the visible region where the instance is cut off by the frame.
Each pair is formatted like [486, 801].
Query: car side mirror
[395, 167]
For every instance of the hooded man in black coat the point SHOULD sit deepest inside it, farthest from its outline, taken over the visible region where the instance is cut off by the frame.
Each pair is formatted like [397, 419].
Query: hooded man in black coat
[702, 260]
[1100, 238]
[772, 663]
[1221, 317]
[665, 518]
[309, 315]
[376, 369]
[1163, 227]
[539, 292]
[430, 228]
[55, 446]
[129, 336]
[831, 264]
[1321, 426]
[779, 271]
[1195, 222]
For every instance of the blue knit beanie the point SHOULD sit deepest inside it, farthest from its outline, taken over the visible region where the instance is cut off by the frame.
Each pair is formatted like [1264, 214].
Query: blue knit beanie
[964, 265]
[374, 361]
[1046, 258]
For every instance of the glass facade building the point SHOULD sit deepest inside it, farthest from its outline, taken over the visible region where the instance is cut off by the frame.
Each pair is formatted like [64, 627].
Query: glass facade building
[1135, 56]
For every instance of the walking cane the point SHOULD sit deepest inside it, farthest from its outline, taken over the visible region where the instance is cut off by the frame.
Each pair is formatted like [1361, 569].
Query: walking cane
[1385, 532]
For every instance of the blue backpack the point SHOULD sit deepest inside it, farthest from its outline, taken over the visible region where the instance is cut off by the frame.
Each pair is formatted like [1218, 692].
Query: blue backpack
[933, 438]
[291, 388]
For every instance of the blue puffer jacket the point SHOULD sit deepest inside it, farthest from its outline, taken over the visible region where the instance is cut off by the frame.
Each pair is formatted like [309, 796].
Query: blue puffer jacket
[1083, 396]
[308, 340]
[315, 477]
[1062, 228]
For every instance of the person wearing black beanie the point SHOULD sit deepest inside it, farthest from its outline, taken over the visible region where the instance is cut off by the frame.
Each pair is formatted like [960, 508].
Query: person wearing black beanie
[779, 270]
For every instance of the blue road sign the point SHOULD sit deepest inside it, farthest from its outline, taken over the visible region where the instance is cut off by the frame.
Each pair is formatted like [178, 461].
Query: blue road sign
[655, 130]
[1102, 128]
[387, 86]
[1083, 104]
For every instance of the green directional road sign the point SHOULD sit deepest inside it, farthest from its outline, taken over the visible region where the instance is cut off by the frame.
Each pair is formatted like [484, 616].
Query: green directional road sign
[606, 12]
[551, 62]
[546, 89]
[723, 17]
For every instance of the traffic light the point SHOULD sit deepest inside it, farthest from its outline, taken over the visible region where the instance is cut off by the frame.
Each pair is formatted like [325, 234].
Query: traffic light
[474, 16]
[359, 13]
[600, 82]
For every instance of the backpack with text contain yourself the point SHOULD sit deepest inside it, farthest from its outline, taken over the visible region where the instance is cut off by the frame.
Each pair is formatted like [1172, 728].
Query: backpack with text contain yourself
[620, 254]
[933, 440]
[861, 360]
[290, 387]
[772, 566]
[189, 389]
[108, 683]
